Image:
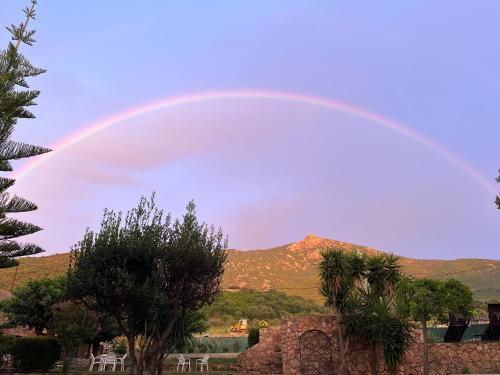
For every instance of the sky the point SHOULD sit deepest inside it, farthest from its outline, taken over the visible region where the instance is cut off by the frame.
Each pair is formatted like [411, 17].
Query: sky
[268, 169]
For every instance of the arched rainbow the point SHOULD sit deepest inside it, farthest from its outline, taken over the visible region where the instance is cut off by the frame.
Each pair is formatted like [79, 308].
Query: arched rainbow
[251, 94]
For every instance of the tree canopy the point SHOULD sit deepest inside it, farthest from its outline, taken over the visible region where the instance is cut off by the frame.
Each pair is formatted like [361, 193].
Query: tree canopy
[150, 274]
[32, 304]
[429, 299]
[15, 97]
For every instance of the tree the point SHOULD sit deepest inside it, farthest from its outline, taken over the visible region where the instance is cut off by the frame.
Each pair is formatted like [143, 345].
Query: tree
[497, 200]
[32, 304]
[14, 70]
[361, 289]
[338, 272]
[428, 299]
[150, 275]
[74, 325]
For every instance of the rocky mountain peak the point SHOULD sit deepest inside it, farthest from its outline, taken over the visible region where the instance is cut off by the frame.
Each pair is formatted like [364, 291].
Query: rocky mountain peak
[310, 242]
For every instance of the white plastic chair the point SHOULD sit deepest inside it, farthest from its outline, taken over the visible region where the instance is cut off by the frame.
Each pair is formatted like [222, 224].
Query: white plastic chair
[202, 362]
[95, 361]
[121, 361]
[110, 359]
[183, 361]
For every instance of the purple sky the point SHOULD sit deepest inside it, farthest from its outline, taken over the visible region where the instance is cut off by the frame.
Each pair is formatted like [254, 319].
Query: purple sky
[270, 171]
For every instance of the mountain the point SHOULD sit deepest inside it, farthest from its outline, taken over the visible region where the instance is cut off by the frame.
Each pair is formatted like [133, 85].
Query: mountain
[292, 268]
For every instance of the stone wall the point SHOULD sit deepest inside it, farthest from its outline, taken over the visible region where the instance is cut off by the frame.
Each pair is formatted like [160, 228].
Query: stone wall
[263, 358]
[477, 357]
[291, 331]
[309, 346]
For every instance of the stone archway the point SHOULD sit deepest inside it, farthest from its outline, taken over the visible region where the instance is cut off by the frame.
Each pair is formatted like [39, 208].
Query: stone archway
[315, 353]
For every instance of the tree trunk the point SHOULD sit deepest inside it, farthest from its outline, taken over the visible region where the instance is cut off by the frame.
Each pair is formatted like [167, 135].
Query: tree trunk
[373, 358]
[341, 343]
[135, 367]
[425, 347]
[65, 366]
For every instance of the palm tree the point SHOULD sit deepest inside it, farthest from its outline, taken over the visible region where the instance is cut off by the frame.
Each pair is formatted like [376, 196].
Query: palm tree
[361, 290]
[380, 322]
[335, 282]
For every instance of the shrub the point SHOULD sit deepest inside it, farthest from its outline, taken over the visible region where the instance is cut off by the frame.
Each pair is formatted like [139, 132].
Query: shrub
[253, 336]
[120, 345]
[37, 353]
[6, 343]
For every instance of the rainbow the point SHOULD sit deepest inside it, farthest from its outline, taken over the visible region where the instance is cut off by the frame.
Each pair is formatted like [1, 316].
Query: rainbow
[374, 118]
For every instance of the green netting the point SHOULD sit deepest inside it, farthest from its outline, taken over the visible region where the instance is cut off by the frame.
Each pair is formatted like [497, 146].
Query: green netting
[228, 344]
[472, 333]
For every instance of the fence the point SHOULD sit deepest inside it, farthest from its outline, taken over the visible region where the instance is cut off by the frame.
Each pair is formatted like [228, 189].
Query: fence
[474, 332]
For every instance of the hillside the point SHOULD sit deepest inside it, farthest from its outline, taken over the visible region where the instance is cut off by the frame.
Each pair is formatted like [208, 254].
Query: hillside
[292, 269]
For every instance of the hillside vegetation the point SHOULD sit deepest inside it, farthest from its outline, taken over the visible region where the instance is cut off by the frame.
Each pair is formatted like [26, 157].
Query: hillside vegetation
[256, 305]
[292, 269]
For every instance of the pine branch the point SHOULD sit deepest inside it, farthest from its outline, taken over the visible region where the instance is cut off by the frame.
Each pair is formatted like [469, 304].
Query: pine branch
[5, 166]
[12, 228]
[6, 183]
[19, 34]
[15, 204]
[13, 249]
[15, 150]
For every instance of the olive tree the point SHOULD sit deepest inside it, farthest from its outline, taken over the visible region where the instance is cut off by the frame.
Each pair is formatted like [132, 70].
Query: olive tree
[150, 274]
[428, 299]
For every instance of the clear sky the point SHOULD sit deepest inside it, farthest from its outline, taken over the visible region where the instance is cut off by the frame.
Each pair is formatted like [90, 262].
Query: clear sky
[268, 170]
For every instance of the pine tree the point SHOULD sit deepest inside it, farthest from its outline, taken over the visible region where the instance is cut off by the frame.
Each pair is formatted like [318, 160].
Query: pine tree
[497, 200]
[15, 97]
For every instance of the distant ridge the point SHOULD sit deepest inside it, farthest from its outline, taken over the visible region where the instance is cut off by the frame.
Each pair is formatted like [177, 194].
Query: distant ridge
[293, 268]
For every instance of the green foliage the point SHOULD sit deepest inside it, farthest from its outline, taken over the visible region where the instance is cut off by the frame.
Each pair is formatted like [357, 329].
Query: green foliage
[15, 97]
[108, 329]
[429, 299]
[214, 344]
[426, 299]
[73, 324]
[253, 336]
[150, 274]
[497, 199]
[361, 290]
[376, 320]
[229, 307]
[6, 343]
[120, 345]
[32, 304]
[458, 297]
[38, 353]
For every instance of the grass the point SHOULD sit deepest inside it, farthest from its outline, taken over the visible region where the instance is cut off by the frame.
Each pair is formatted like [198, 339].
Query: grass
[290, 266]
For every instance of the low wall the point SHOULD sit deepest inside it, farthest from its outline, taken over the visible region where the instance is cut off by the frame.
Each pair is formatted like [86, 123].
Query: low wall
[309, 346]
[453, 358]
[263, 358]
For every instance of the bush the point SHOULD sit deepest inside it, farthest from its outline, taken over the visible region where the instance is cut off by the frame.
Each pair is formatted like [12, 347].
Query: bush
[37, 353]
[6, 343]
[120, 345]
[253, 336]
